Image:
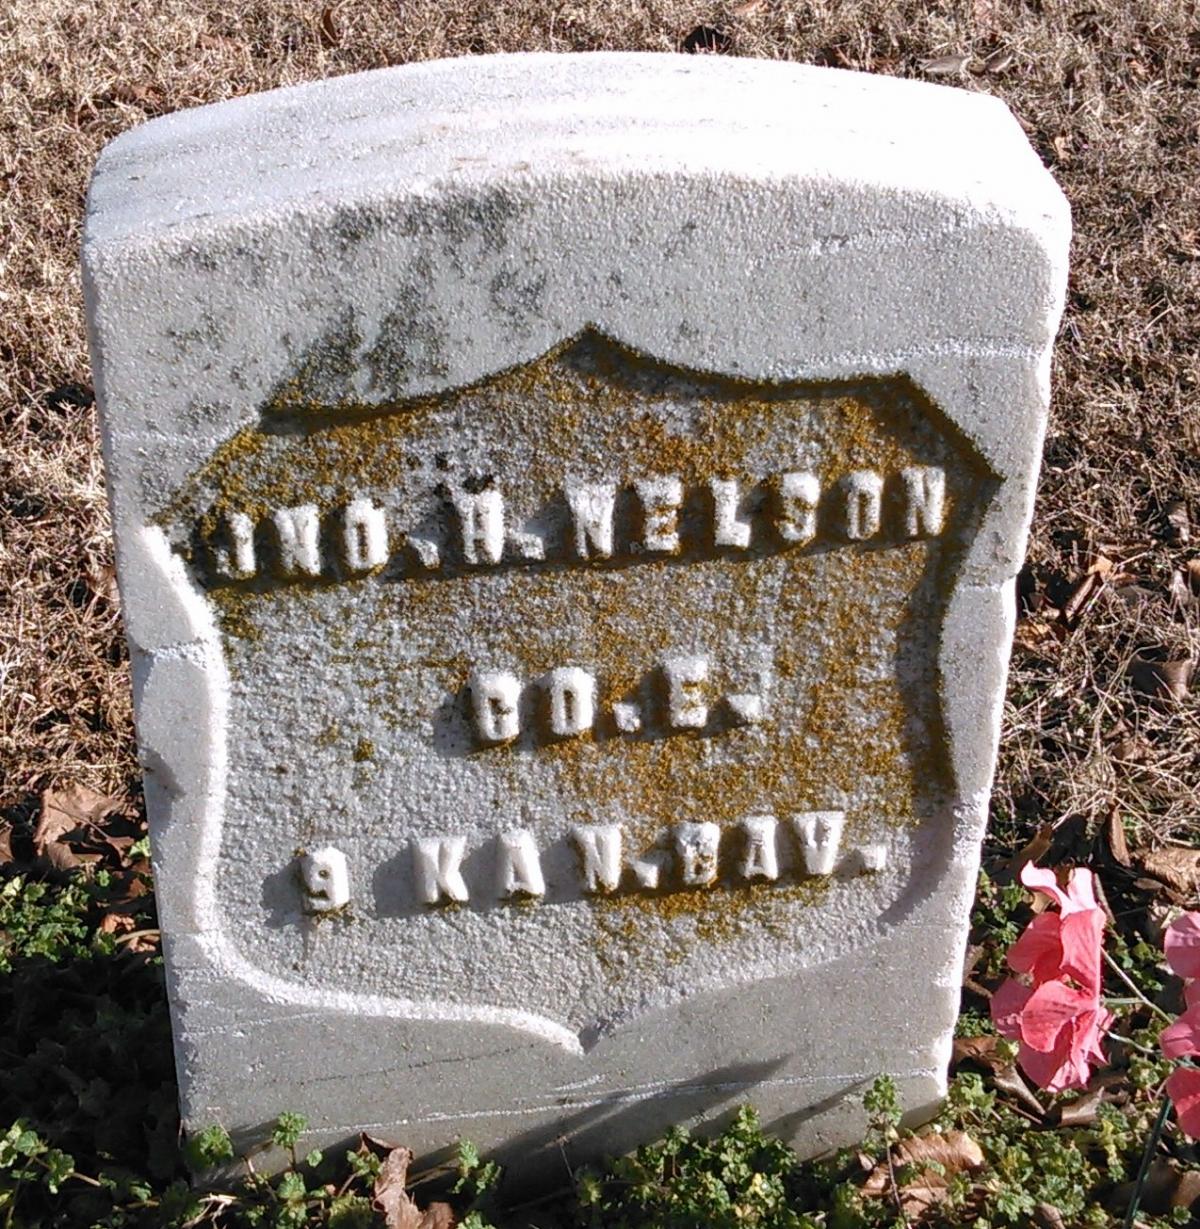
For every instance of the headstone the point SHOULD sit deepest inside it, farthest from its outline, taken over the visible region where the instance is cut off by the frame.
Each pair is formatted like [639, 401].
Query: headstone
[567, 510]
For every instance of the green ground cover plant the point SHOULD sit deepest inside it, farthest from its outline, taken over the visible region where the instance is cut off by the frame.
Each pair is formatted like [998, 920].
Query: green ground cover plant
[1101, 746]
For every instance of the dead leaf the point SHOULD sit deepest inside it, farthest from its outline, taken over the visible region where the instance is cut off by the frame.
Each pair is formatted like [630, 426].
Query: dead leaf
[748, 8]
[1008, 1079]
[953, 1152]
[1162, 679]
[144, 94]
[67, 810]
[1036, 635]
[1000, 61]
[328, 30]
[74, 810]
[438, 1216]
[1193, 575]
[391, 1199]
[1085, 591]
[102, 580]
[945, 65]
[1062, 147]
[398, 1208]
[981, 1050]
[1083, 1111]
[1179, 528]
[1177, 867]
[1036, 848]
[1048, 1216]
[116, 923]
[1114, 831]
[6, 852]
[1167, 1186]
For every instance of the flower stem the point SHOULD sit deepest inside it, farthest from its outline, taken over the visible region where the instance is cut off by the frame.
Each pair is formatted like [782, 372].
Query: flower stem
[1151, 1147]
[1120, 972]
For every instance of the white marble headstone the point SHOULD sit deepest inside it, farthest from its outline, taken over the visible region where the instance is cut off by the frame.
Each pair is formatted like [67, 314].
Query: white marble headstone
[567, 510]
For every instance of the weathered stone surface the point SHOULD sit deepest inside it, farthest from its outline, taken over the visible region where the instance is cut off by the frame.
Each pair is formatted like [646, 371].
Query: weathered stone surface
[566, 513]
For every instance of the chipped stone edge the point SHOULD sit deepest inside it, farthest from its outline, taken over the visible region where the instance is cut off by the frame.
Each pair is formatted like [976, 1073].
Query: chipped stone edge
[202, 652]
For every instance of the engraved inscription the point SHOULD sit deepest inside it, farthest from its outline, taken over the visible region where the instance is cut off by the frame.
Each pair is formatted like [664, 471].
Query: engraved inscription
[689, 855]
[475, 532]
[566, 703]
[324, 879]
[438, 865]
[628, 666]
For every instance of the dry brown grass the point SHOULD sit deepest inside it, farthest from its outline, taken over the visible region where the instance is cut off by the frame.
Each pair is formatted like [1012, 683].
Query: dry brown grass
[1108, 93]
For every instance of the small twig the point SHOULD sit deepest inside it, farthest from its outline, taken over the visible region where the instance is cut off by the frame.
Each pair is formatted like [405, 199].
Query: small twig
[1120, 972]
[1151, 1147]
[894, 1185]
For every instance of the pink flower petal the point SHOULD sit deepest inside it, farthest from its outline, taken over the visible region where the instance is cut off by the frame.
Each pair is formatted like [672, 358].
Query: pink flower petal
[1039, 950]
[1042, 879]
[1055, 1071]
[1051, 1008]
[1191, 993]
[1082, 934]
[1182, 945]
[1182, 1038]
[1007, 1004]
[1081, 891]
[1183, 1087]
[1090, 1031]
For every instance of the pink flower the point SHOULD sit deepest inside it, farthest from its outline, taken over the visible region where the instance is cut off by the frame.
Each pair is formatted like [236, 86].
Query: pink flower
[1059, 1028]
[1182, 946]
[1183, 1087]
[1181, 1039]
[1058, 1020]
[1063, 944]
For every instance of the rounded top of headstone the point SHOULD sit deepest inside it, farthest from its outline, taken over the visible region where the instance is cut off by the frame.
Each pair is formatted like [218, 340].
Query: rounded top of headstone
[549, 116]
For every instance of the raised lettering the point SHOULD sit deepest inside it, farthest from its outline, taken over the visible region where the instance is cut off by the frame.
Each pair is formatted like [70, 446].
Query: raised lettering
[924, 500]
[600, 855]
[520, 867]
[730, 528]
[820, 836]
[760, 859]
[437, 861]
[325, 879]
[299, 533]
[481, 518]
[572, 696]
[236, 559]
[799, 494]
[660, 499]
[495, 695]
[863, 490]
[696, 845]
[872, 858]
[364, 536]
[628, 717]
[745, 708]
[428, 551]
[686, 676]
[647, 869]
[527, 545]
[591, 505]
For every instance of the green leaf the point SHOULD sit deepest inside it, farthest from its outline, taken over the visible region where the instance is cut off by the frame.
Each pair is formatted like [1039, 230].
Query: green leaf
[288, 1129]
[291, 1186]
[209, 1146]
